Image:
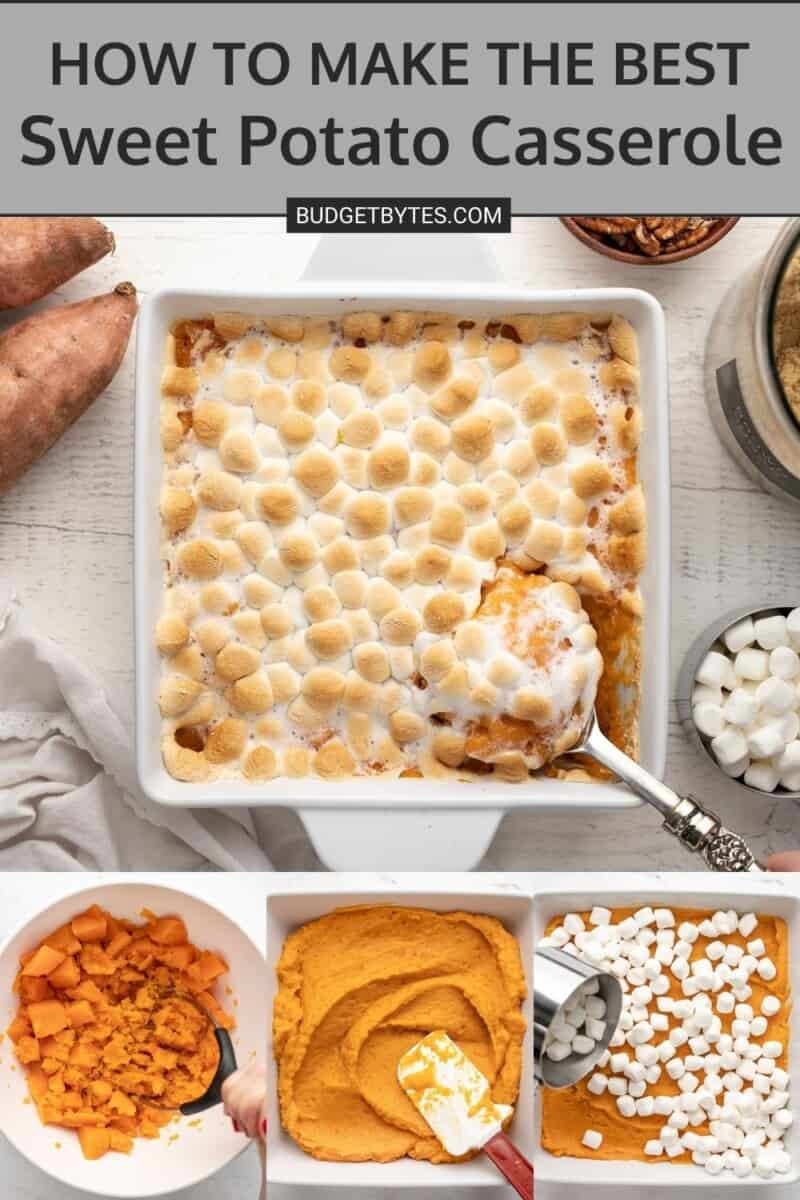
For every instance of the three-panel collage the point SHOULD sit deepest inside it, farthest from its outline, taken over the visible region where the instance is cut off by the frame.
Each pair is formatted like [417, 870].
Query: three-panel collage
[399, 710]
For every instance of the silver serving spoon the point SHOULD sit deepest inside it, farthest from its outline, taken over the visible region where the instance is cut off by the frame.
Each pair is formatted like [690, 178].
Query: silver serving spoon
[698, 829]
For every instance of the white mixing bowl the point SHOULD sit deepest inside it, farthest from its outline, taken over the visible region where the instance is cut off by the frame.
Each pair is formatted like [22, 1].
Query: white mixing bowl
[155, 1168]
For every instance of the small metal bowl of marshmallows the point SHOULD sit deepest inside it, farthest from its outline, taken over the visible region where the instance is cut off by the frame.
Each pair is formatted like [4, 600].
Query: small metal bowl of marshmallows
[739, 698]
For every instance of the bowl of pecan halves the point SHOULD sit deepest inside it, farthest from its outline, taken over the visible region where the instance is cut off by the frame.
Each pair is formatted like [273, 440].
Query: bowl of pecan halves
[649, 240]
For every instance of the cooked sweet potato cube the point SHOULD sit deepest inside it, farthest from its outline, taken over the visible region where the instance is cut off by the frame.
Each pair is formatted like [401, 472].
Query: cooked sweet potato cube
[28, 1050]
[38, 1083]
[64, 940]
[121, 1142]
[119, 942]
[169, 931]
[127, 1125]
[177, 957]
[90, 926]
[80, 1013]
[32, 989]
[87, 989]
[66, 975]
[207, 968]
[20, 1027]
[44, 961]
[95, 961]
[48, 1017]
[94, 1142]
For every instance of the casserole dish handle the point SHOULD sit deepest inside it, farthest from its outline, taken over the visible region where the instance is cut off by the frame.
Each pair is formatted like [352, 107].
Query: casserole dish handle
[407, 839]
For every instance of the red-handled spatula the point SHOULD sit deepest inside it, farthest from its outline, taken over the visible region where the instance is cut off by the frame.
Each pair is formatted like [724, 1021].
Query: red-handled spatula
[455, 1099]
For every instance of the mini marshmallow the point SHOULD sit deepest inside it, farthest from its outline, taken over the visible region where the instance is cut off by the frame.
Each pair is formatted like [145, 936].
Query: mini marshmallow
[748, 664]
[784, 662]
[775, 695]
[573, 923]
[626, 1106]
[592, 1139]
[762, 776]
[680, 968]
[790, 724]
[741, 708]
[773, 1049]
[595, 1029]
[617, 1087]
[771, 632]
[688, 932]
[557, 1051]
[793, 626]
[735, 770]
[789, 759]
[598, 1084]
[763, 742]
[771, 1005]
[747, 924]
[740, 635]
[600, 916]
[653, 1148]
[645, 916]
[730, 746]
[582, 1044]
[766, 969]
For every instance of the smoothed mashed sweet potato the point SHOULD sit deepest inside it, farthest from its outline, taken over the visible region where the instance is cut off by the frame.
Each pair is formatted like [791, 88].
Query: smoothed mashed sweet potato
[357, 989]
[111, 1028]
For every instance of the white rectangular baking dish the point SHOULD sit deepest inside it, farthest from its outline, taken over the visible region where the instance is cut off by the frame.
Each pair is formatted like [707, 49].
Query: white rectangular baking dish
[774, 896]
[292, 907]
[483, 803]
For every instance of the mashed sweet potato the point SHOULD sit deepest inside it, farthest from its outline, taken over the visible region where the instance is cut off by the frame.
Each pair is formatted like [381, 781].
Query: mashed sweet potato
[110, 1027]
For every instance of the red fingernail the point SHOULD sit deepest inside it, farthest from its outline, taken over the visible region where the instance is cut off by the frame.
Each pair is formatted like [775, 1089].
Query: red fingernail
[236, 1128]
[264, 1127]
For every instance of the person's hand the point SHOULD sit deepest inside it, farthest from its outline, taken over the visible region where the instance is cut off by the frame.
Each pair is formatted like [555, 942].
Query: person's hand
[244, 1095]
[789, 860]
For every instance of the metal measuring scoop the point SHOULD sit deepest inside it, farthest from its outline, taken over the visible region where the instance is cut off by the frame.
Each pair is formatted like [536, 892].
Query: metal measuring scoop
[696, 828]
[556, 979]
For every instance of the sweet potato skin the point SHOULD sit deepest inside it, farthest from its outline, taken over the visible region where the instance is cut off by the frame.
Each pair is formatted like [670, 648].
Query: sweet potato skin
[52, 367]
[38, 254]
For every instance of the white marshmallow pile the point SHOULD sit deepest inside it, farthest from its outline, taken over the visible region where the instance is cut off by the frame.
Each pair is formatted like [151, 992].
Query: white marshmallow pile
[730, 1106]
[746, 701]
[580, 1024]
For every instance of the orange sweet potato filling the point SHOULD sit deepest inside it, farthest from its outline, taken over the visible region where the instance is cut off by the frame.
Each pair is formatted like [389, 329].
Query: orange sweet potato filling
[111, 1027]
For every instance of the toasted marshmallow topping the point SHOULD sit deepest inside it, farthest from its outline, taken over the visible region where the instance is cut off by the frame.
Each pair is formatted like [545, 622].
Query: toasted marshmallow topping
[336, 497]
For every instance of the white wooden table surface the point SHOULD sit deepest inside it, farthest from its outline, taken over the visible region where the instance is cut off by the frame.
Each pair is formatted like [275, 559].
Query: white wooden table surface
[66, 528]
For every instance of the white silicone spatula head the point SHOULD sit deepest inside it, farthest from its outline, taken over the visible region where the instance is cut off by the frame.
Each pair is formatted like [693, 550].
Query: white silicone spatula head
[451, 1094]
[455, 1098]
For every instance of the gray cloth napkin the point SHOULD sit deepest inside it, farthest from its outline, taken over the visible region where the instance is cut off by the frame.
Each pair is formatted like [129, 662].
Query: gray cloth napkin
[68, 794]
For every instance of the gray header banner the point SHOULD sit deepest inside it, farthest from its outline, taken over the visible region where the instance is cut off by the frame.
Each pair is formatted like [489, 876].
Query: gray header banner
[562, 107]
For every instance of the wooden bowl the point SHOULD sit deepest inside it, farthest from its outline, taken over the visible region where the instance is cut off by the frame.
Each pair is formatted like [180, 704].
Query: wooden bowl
[638, 260]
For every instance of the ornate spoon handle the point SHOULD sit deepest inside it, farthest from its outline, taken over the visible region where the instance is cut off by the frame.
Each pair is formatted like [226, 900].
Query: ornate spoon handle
[696, 827]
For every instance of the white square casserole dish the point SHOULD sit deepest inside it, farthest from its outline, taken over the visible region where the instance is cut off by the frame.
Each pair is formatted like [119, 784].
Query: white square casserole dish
[286, 911]
[483, 802]
[773, 896]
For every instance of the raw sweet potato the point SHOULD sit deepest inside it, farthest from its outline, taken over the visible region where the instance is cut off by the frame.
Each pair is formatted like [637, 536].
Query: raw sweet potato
[38, 254]
[52, 366]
